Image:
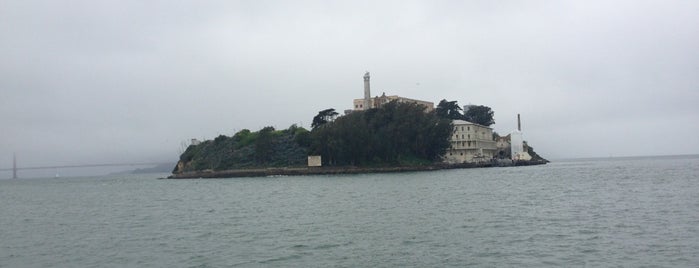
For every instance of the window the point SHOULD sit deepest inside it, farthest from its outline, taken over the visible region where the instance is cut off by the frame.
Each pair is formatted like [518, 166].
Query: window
[469, 136]
[462, 136]
[462, 128]
[469, 128]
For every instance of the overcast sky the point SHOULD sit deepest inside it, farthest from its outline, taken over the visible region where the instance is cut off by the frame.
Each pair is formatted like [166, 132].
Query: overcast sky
[127, 81]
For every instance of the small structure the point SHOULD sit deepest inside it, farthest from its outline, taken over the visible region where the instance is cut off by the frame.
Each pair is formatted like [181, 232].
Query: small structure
[195, 142]
[314, 161]
[470, 143]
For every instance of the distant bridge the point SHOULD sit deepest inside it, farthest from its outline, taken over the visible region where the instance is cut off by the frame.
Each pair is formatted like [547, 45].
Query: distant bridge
[15, 168]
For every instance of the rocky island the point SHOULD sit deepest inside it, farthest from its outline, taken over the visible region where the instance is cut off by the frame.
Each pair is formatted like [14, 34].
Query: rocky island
[381, 134]
[394, 137]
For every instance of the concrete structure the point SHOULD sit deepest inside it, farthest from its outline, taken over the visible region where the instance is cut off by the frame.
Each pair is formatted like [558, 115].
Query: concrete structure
[378, 101]
[314, 161]
[516, 144]
[470, 143]
[517, 148]
[367, 92]
[195, 142]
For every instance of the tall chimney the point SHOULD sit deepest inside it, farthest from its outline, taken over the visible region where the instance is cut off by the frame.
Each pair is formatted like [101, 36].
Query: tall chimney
[519, 124]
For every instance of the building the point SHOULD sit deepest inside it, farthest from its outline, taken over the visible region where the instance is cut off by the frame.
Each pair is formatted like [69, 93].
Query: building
[378, 101]
[518, 147]
[470, 143]
[513, 145]
[503, 145]
[314, 161]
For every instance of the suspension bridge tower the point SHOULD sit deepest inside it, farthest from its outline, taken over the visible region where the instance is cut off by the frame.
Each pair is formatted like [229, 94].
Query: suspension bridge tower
[14, 165]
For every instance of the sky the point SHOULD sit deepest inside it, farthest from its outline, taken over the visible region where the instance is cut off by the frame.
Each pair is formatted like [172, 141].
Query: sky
[90, 82]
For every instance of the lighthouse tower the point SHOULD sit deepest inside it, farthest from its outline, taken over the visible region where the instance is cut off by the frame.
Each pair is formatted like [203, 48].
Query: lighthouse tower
[367, 92]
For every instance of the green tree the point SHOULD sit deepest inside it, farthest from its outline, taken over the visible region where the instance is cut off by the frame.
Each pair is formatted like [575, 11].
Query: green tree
[449, 110]
[264, 145]
[480, 114]
[395, 133]
[324, 117]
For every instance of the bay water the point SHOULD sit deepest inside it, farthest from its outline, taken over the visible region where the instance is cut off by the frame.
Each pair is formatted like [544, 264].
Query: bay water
[629, 212]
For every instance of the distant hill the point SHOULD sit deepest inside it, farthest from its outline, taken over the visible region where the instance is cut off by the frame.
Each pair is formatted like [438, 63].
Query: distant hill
[162, 168]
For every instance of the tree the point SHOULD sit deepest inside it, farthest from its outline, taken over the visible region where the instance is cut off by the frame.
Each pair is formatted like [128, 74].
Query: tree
[480, 114]
[323, 117]
[449, 110]
[264, 145]
[395, 133]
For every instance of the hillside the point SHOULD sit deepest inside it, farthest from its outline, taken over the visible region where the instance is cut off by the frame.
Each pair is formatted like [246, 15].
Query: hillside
[265, 148]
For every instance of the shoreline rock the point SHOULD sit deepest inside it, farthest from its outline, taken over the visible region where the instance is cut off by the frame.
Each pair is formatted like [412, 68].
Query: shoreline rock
[304, 171]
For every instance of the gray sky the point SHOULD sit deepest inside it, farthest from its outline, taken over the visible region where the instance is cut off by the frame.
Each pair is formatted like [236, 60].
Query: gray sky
[124, 81]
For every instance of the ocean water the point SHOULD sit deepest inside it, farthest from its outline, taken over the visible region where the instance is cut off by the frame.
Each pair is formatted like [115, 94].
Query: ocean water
[630, 212]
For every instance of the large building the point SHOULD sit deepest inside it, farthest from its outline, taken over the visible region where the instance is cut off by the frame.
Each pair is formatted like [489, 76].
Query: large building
[470, 143]
[376, 102]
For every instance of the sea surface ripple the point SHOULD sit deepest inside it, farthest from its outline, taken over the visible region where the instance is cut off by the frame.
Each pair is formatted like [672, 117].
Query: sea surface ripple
[630, 212]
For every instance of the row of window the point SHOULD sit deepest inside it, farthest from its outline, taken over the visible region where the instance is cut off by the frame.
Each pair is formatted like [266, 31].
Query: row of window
[463, 143]
[462, 136]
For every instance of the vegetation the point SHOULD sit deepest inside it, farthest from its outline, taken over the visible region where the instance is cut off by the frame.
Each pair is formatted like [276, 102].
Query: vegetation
[395, 134]
[534, 155]
[265, 148]
[449, 110]
[478, 114]
[323, 117]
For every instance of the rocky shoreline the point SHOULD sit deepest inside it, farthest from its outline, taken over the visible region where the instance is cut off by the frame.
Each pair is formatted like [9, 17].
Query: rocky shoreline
[302, 171]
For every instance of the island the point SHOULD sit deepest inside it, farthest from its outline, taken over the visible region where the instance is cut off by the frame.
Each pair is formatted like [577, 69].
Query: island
[394, 136]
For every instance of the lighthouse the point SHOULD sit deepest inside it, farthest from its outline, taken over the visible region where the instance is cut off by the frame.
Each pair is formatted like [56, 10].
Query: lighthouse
[367, 92]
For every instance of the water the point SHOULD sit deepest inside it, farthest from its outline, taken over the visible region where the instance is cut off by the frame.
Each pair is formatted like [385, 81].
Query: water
[610, 212]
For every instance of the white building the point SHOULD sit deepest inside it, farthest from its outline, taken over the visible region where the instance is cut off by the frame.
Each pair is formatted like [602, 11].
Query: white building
[470, 143]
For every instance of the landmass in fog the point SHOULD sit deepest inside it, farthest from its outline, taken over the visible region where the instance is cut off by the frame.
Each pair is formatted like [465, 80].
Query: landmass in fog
[129, 81]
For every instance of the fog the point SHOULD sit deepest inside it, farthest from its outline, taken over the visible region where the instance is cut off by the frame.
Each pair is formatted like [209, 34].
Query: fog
[86, 82]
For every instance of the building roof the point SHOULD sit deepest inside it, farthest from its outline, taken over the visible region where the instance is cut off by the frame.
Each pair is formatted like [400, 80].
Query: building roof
[463, 122]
